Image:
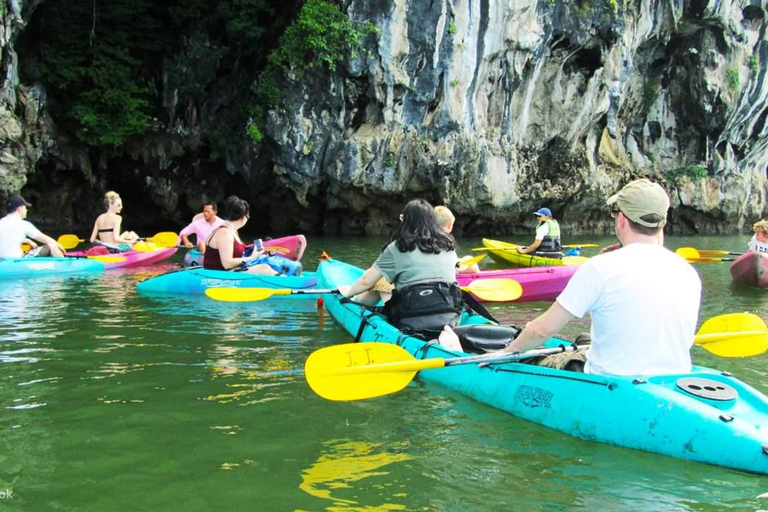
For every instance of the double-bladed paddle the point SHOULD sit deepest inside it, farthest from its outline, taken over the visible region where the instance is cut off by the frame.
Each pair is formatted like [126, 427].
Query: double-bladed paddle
[513, 247]
[694, 256]
[566, 260]
[715, 253]
[101, 258]
[164, 239]
[491, 290]
[356, 371]
[71, 241]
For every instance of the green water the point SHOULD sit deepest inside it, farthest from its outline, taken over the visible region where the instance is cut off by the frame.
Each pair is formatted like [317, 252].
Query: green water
[114, 401]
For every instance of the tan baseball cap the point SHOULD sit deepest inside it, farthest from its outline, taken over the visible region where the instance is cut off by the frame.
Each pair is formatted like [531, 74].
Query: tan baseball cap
[642, 199]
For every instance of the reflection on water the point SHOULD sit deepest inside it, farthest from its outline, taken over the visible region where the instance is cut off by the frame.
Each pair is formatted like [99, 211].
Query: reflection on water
[342, 464]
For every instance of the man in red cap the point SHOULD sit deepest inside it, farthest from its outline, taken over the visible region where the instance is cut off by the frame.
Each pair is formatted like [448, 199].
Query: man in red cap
[14, 231]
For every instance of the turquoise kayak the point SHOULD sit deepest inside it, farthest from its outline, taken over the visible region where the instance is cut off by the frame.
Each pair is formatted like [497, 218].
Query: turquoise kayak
[44, 266]
[705, 415]
[195, 280]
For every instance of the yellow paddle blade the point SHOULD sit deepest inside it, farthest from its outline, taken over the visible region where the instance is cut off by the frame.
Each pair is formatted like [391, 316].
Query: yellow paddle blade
[734, 335]
[107, 259]
[69, 241]
[146, 246]
[276, 248]
[574, 260]
[226, 294]
[164, 239]
[688, 253]
[464, 265]
[355, 371]
[495, 290]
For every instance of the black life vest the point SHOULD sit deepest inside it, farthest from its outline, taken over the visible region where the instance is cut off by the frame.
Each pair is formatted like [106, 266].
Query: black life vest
[551, 242]
[425, 307]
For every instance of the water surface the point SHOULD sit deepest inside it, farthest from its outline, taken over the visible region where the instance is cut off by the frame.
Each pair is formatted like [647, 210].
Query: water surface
[115, 401]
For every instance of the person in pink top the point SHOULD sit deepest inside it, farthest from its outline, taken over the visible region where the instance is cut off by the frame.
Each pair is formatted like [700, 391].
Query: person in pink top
[201, 227]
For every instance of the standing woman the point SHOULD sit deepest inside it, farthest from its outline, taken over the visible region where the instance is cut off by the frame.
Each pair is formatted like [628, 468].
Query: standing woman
[106, 230]
[224, 249]
[421, 256]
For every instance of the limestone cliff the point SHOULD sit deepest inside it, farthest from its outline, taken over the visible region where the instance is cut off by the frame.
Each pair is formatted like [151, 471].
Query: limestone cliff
[492, 107]
[496, 108]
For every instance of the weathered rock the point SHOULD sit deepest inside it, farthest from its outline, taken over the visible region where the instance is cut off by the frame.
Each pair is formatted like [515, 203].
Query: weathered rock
[493, 107]
[496, 108]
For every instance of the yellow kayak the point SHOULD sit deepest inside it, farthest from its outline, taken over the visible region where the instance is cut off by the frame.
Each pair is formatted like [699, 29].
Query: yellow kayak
[506, 253]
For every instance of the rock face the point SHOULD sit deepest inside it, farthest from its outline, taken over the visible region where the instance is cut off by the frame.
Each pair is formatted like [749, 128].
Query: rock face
[492, 107]
[496, 108]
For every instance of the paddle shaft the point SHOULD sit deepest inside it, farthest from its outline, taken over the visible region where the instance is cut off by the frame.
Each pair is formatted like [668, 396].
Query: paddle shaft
[438, 362]
[719, 336]
[712, 253]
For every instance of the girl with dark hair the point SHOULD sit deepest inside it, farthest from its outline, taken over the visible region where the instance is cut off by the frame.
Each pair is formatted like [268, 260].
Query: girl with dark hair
[224, 249]
[420, 253]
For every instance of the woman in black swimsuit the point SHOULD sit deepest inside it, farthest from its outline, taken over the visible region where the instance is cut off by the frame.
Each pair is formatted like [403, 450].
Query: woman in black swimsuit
[106, 229]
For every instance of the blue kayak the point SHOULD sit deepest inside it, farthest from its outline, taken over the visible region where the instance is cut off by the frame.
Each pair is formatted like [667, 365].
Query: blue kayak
[44, 266]
[195, 280]
[194, 258]
[705, 415]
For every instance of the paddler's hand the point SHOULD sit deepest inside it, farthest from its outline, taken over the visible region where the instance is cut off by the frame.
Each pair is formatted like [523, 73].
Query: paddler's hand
[343, 290]
[188, 244]
[610, 248]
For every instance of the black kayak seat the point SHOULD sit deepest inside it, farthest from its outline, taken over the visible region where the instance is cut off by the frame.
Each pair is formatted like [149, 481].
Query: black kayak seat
[483, 338]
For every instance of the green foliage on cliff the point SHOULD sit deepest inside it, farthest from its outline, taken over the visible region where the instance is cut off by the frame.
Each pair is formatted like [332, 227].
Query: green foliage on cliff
[113, 68]
[90, 57]
[754, 64]
[322, 35]
[732, 79]
[650, 94]
[694, 173]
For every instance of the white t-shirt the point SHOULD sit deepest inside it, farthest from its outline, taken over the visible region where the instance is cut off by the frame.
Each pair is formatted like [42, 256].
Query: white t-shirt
[644, 303]
[542, 231]
[13, 231]
[758, 246]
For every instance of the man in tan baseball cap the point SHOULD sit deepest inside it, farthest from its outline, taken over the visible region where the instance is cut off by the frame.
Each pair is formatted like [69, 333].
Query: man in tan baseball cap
[643, 202]
[642, 298]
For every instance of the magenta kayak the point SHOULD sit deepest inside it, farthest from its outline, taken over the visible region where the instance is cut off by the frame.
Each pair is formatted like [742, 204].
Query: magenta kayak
[539, 283]
[751, 268]
[291, 247]
[135, 258]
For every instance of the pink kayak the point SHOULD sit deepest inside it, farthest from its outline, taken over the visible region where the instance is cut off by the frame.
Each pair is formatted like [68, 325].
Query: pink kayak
[291, 247]
[539, 283]
[135, 258]
[751, 268]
